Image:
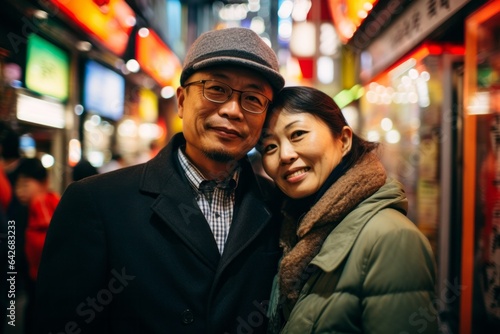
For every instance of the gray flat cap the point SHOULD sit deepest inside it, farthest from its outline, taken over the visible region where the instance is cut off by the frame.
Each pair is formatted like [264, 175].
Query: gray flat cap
[235, 46]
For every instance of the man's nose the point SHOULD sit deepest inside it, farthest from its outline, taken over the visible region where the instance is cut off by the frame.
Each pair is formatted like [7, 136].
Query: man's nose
[232, 108]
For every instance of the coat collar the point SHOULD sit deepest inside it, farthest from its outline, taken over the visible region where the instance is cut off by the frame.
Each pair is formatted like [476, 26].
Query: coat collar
[177, 207]
[159, 170]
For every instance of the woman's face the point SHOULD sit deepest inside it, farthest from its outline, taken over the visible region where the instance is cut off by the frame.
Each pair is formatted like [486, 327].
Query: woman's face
[299, 152]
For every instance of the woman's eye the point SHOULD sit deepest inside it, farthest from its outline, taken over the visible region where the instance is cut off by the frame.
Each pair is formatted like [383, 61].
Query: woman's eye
[298, 133]
[269, 148]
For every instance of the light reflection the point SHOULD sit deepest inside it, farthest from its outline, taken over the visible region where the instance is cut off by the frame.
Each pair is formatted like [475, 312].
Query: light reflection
[413, 74]
[301, 9]
[285, 29]
[393, 137]
[258, 25]
[425, 75]
[386, 124]
[167, 92]
[411, 87]
[47, 160]
[234, 12]
[285, 10]
[325, 70]
[127, 128]
[143, 32]
[373, 135]
[133, 66]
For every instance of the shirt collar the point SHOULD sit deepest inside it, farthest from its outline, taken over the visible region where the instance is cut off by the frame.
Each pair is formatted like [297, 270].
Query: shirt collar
[199, 182]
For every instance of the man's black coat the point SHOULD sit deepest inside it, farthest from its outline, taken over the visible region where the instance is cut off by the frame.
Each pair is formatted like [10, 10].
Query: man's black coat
[130, 252]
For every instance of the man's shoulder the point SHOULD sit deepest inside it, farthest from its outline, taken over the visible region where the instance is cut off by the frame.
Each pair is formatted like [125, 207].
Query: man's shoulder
[125, 174]
[114, 181]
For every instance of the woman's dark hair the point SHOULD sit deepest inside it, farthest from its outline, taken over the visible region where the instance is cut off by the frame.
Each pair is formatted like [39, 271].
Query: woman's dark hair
[32, 168]
[300, 99]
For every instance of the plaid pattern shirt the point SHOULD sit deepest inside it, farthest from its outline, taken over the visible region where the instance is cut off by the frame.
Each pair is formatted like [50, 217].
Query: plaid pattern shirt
[215, 198]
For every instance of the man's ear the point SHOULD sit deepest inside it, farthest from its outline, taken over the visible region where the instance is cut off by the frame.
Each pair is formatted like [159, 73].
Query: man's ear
[346, 138]
[180, 101]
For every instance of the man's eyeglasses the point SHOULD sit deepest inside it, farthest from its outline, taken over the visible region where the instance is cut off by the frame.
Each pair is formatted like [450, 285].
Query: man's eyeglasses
[219, 92]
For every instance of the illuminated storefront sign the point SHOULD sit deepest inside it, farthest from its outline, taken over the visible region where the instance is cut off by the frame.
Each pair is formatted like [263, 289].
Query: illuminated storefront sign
[156, 58]
[410, 28]
[111, 22]
[47, 68]
[348, 15]
[39, 111]
[103, 91]
[148, 105]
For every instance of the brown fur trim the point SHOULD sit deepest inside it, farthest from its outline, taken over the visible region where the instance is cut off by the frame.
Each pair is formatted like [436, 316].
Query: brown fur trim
[301, 244]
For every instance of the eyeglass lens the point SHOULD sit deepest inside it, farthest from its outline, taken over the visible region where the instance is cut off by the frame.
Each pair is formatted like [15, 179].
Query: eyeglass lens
[219, 92]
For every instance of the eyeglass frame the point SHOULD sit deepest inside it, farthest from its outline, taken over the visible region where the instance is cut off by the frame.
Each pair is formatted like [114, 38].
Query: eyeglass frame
[269, 101]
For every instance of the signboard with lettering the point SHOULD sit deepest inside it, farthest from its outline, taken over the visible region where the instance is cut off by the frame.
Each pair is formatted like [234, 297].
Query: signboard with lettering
[420, 19]
[47, 68]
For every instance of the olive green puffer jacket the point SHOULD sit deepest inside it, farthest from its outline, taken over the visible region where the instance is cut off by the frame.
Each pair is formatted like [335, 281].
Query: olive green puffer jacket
[376, 274]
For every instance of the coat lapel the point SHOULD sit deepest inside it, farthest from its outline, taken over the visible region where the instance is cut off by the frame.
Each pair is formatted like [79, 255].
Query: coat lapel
[251, 216]
[177, 208]
[176, 204]
[182, 214]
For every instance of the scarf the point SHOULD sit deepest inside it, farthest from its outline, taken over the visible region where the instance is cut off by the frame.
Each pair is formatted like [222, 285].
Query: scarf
[302, 240]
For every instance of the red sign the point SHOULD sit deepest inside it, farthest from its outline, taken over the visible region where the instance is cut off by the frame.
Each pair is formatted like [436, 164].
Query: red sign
[156, 59]
[109, 21]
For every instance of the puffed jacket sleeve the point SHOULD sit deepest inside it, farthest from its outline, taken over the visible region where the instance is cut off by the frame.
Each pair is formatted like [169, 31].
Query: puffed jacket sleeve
[71, 269]
[398, 279]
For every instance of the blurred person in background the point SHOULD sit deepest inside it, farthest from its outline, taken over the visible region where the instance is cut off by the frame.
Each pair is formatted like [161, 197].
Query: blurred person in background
[83, 169]
[353, 262]
[185, 243]
[148, 154]
[32, 189]
[5, 232]
[10, 155]
[15, 212]
[5, 193]
[115, 163]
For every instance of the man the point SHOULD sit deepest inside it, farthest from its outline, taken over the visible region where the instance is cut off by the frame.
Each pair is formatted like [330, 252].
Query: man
[186, 242]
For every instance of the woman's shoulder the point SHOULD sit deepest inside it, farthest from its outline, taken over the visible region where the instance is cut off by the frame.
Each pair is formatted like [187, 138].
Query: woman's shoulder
[389, 219]
[390, 228]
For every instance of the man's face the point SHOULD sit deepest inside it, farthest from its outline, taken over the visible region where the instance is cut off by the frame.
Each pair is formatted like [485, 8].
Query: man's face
[220, 132]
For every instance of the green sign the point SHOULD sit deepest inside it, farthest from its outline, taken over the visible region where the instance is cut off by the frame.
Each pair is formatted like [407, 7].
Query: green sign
[47, 68]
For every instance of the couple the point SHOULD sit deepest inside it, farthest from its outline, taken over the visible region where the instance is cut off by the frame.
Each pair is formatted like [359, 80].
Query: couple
[192, 241]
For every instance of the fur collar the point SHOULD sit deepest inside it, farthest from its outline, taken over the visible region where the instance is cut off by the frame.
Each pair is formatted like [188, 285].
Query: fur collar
[302, 240]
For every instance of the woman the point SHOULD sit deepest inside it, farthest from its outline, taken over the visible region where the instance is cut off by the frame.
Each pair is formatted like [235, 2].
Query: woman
[353, 262]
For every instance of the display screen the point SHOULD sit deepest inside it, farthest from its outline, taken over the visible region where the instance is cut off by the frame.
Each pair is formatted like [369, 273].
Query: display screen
[103, 91]
[47, 68]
